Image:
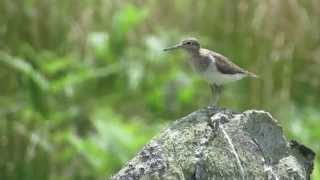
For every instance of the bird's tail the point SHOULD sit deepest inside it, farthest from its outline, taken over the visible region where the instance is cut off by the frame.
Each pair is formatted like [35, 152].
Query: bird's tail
[252, 75]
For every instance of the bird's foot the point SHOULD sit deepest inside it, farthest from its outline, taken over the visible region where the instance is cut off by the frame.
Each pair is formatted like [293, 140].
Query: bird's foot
[214, 103]
[212, 109]
[212, 106]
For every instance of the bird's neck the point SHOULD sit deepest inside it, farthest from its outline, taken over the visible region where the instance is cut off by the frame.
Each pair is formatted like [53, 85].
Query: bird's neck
[194, 52]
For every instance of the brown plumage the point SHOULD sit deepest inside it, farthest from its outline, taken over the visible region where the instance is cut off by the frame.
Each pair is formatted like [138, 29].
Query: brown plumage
[226, 66]
[213, 67]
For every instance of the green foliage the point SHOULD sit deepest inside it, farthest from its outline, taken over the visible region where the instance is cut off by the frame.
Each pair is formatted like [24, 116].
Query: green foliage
[85, 84]
[113, 143]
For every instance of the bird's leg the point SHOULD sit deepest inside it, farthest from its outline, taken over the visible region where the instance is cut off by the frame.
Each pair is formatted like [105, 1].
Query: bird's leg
[213, 100]
[212, 94]
[216, 92]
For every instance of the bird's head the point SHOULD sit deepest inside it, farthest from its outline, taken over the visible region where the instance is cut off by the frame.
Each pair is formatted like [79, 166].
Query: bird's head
[189, 44]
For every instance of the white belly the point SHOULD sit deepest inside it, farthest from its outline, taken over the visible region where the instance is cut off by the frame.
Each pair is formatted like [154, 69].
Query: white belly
[213, 76]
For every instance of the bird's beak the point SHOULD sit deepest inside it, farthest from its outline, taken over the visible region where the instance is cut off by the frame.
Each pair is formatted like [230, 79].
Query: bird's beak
[172, 47]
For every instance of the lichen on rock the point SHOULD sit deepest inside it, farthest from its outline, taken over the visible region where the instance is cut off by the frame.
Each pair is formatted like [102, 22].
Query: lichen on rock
[214, 143]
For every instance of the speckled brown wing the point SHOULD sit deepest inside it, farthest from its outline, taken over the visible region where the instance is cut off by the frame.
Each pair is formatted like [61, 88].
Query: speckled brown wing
[225, 66]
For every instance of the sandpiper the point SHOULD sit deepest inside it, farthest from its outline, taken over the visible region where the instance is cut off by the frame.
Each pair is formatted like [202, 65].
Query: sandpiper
[213, 67]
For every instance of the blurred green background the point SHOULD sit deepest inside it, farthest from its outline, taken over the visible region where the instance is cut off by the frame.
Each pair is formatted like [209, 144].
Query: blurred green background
[85, 84]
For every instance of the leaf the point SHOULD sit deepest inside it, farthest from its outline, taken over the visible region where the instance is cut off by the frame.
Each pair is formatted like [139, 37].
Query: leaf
[25, 68]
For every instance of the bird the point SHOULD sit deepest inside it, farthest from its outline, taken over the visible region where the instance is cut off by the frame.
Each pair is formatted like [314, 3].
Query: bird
[216, 69]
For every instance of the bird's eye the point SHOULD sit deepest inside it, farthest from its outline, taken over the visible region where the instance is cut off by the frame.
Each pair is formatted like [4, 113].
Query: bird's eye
[189, 43]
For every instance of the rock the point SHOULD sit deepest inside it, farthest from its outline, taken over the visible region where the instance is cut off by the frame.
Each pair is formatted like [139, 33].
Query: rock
[214, 143]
